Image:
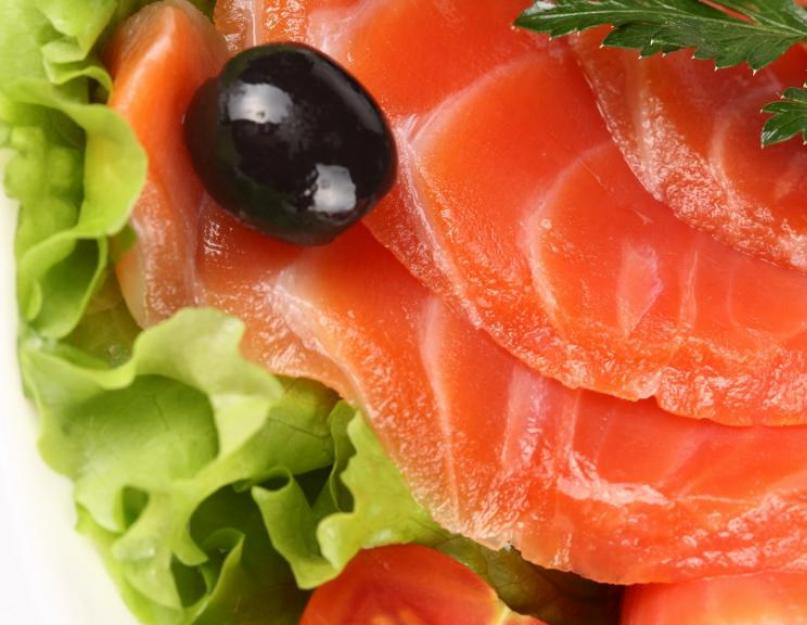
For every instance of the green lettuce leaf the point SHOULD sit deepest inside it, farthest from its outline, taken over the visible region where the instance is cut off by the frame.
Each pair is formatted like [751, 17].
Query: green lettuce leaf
[365, 505]
[164, 449]
[77, 167]
[185, 417]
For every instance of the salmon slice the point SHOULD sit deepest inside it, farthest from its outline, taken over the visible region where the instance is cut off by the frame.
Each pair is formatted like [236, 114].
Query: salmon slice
[515, 204]
[616, 491]
[165, 236]
[773, 598]
[692, 136]
[359, 30]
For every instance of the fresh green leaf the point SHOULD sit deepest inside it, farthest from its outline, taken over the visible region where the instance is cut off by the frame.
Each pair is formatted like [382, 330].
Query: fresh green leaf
[107, 331]
[255, 585]
[245, 580]
[76, 167]
[152, 443]
[729, 32]
[74, 29]
[319, 538]
[789, 117]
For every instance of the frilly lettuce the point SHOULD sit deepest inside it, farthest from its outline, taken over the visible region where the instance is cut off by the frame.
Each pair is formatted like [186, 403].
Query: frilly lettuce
[77, 167]
[182, 453]
[217, 493]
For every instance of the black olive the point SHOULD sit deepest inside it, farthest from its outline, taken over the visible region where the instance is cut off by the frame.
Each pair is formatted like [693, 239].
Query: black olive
[291, 143]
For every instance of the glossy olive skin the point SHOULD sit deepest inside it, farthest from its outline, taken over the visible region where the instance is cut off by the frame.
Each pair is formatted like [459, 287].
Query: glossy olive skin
[290, 143]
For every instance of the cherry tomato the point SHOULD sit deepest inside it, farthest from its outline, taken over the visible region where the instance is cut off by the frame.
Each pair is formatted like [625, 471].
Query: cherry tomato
[757, 599]
[408, 585]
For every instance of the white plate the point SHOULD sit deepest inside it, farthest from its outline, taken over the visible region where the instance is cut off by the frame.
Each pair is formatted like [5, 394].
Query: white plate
[49, 575]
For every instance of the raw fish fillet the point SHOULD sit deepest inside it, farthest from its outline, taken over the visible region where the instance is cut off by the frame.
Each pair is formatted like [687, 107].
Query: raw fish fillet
[516, 205]
[613, 490]
[692, 136]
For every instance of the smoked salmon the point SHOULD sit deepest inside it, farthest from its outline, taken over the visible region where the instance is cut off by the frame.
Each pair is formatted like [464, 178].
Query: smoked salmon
[515, 204]
[691, 134]
[614, 490]
[166, 229]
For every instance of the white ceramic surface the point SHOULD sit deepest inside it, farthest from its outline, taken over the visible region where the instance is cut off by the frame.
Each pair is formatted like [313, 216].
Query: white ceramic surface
[49, 575]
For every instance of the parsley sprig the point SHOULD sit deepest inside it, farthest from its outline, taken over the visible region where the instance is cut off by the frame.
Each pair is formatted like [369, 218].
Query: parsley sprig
[789, 117]
[729, 32]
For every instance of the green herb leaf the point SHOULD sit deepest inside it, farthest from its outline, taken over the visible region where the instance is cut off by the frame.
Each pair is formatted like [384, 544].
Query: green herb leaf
[789, 117]
[745, 31]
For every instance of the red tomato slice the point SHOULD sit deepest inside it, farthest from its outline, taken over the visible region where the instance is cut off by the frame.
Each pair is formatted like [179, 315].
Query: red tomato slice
[759, 599]
[408, 585]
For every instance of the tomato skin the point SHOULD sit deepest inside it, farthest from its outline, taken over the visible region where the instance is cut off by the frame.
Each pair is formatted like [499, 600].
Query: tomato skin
[758, 599]
[408, 585]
